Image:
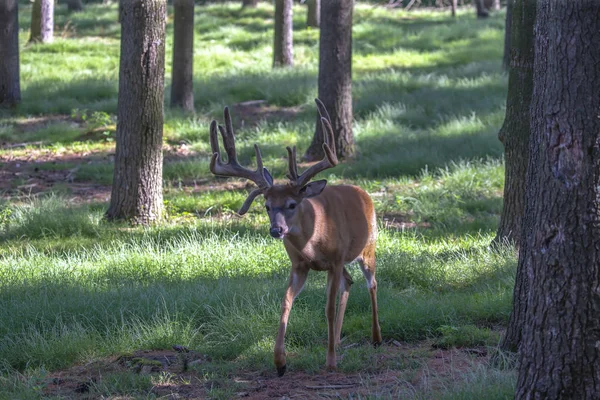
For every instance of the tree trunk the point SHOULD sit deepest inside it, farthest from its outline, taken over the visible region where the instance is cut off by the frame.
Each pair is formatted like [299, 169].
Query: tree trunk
[507, 33]
[249, 3]
[283, 47]
[453, 6]
[42, 21]
[10, 83]
[137, 183]
[313, 13]
[480, 9]
[335, 78]
[560, 348]
[514, 134]
[182, 88]
[492, 5]
[74, 5]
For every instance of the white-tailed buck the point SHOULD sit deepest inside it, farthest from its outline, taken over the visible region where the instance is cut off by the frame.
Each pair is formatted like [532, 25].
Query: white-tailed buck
[323, 228]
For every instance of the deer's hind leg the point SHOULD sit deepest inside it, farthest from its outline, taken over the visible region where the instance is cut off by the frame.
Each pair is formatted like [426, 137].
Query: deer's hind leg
[345, 283]
[367, 266]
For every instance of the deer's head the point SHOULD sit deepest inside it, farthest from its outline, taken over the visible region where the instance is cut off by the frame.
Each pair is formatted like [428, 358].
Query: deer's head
[282, 201]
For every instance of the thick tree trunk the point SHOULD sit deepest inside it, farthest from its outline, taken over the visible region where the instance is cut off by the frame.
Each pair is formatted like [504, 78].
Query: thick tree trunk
[335, 78]
[283, 46]
[182, 88]
[74, 5]
[560, 348]
[42, 21]
[507, 33]
[313, 13]
[137, 183]
[480, 9]
[10, 82]
[249, 3]
[453, 6]
[514, 134]
[493, 5]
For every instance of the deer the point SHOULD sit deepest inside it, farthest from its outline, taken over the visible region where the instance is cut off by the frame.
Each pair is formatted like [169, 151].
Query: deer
[323, 228]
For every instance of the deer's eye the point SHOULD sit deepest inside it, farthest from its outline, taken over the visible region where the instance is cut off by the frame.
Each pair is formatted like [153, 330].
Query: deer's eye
[292, 206]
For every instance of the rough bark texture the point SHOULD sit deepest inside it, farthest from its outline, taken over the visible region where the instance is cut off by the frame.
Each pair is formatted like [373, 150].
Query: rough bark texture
[515, 134]
[560, 348]
[335, 77]
[42, 21]
[507, 34]
[182, 88]
[313, 13]
[283, 46]
[453, 6]
[74, 5]
[10, 83]
[249, 3]
[137, 183]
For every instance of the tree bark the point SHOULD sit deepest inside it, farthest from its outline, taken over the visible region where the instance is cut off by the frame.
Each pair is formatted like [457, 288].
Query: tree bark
[560, 348]
[507, 33]
[249, 3]
[182, 87]
[335, 78]
[74, 5]
[10, 82]
[137, 183]
[42, 21]
[453, 6]
[515, 134]
[313, 13]
[480, 9]
[283, 46]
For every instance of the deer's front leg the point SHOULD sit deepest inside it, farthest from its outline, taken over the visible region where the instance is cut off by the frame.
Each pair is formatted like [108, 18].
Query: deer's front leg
[333, 282]
[297, 279]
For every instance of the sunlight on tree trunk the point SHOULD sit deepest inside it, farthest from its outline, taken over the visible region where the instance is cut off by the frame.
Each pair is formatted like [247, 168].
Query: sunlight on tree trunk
[283, 46]
[313, 13]
[42, 21]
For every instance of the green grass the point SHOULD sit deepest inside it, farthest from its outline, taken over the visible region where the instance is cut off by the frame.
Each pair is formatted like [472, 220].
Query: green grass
[428, 96]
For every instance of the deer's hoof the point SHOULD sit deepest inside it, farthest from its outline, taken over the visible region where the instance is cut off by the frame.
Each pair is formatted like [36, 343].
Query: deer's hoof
[281, 371]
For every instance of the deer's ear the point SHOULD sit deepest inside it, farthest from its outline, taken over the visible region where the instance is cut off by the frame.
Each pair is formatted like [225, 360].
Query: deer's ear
[268, 176]
[313, 189]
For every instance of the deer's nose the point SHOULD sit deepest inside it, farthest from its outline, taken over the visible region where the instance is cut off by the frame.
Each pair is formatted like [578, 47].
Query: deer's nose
[276, 232]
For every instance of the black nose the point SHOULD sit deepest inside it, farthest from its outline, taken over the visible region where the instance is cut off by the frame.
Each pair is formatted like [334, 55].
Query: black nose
[276, 232]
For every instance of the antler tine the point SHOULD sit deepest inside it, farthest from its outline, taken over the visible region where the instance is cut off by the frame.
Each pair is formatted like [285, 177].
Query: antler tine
[292, 165]
[233, 168]
[330, 160]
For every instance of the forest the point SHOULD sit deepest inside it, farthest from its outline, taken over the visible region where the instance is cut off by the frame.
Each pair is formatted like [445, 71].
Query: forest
[173, 172]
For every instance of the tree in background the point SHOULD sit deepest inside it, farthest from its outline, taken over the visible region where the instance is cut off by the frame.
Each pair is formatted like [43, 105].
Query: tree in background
[42, 21]
[313, 13]
[453, 6]
[182, 87]
[10, 82]
[137, 182]
[335, 77]
[514, 134]
[74, 5]
[283, 46]
[560, 351]
[249, 3]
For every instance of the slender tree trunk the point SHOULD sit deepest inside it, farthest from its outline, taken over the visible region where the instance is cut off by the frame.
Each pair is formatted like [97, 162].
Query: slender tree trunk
[283, 46]
[137, 183]
[74, 5]
[42, 21]
[480, 9]
[249, 3]
[182, 88]
[453, 6]
[335, 77]
[560, 349]
[515, 134]
[10, 83]
[313, 13]
[507, 34]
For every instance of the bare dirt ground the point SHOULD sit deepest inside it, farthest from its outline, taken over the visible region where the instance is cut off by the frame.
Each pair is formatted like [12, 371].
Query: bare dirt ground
[428, 369]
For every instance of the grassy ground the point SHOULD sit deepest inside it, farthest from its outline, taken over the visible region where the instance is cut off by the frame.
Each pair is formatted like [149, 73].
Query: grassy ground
[75, 291]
